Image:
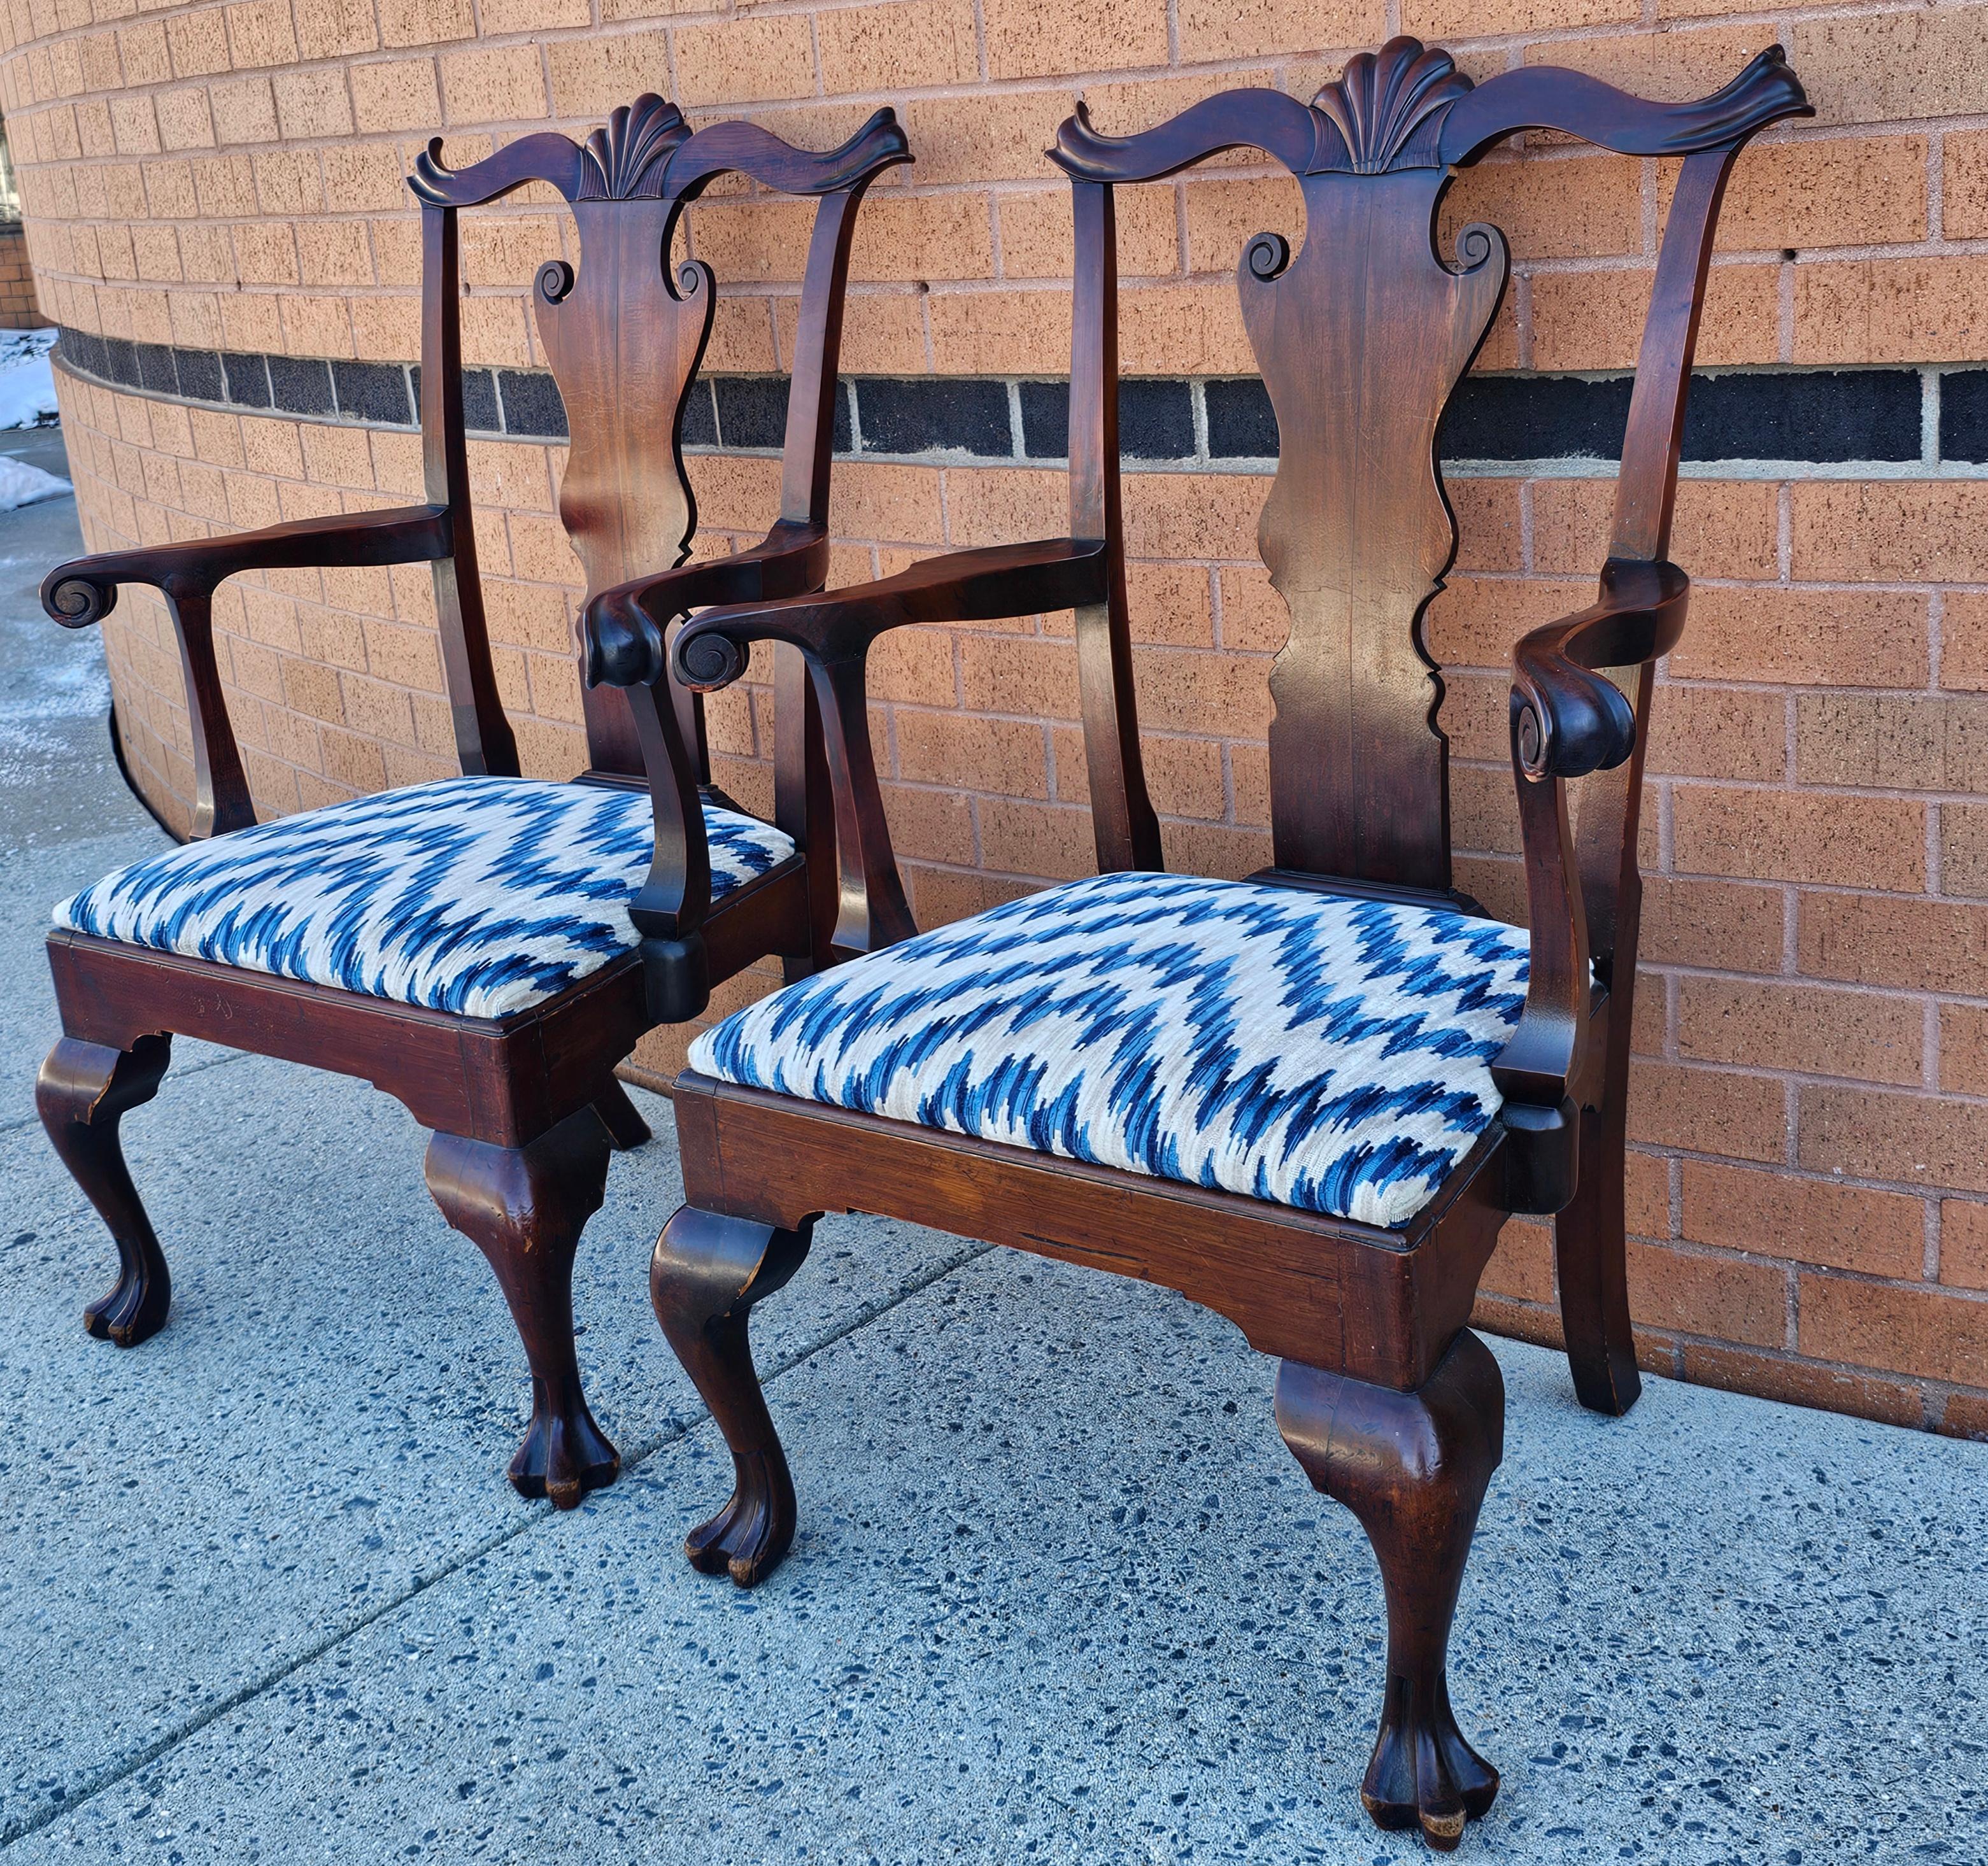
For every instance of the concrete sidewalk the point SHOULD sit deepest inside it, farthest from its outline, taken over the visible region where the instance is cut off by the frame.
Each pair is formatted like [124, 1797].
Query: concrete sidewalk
[1060, 1593]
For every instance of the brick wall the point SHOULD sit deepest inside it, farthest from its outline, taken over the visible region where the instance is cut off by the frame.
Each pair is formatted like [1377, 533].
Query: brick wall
[1810, 1174]
[18, 309]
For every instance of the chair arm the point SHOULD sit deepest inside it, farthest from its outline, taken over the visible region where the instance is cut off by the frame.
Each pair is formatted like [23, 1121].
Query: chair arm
[977, 586]
[623, 628]
[1566, 720]
[85, 590]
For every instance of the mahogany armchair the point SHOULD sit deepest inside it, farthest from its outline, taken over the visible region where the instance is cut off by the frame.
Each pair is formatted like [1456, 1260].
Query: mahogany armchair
[1309, 1099]
[486, 948]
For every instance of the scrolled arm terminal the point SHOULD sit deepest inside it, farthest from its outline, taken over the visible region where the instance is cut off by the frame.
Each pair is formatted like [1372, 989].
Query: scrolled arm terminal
[1566, 719]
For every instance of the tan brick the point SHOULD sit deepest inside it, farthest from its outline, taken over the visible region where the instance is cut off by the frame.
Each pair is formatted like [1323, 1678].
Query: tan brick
[395, 94]
[1087, 36]
[424, 22]
[1892, 530]
[1216, 29]
[1896, 741]
[984, 333]
[745, 60]
[1891, 67]
[1675, 64]
[1003, 757]
[259, 33]
[1856, 1034]
[1914, 945]
[1908, 310]
[1594, 320]
[593, 75]
[1716, 732]
[1723, 528]
[493, 84]
[1586, 207]
[199, 42]
[1731, 925]
[1910, 1140]
[1836, 637]
[997, 138]
[1853, 191]
[1811, 1220]
[1963, 1244]
[313, 103]
[899, 45]
[1964, 184]
[245, 111]
[335, 28]
[1963, 849]
[1723, 1297]
[926, 236]
[1797, 835]
[1884, 1325]
[1706, 1111]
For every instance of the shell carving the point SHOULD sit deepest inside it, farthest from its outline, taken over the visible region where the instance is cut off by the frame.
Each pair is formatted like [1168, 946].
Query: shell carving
[618, 158]
[1387, 108]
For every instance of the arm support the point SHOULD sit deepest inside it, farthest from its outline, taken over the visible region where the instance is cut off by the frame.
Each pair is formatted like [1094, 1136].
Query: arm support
[834, 632]
[85, 590]
[982, 586]
[1569, 720]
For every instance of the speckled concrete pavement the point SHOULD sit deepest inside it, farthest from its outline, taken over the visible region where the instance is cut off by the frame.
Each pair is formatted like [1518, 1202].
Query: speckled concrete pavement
[1059, 1594]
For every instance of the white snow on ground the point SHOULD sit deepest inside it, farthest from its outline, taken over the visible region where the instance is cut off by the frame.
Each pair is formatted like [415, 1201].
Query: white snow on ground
[27, 382]
[22, 484]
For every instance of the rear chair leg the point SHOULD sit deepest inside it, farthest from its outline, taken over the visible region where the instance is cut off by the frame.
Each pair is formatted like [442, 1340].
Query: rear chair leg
[1413, 1467]
[1589, 1252]
[524, 1208]
[84, 1090]
[622, 1119]
[708, 1272]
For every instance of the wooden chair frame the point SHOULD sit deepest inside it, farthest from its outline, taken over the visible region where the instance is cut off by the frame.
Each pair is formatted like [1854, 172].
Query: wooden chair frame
[1387, 1401]
[523, 1107]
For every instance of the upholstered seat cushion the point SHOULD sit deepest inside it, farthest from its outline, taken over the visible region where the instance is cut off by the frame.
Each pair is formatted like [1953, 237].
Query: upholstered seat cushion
[1329, 1054]
[481, 896]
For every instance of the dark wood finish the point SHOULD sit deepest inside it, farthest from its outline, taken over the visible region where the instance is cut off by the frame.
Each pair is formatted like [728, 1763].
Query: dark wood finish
[84, 1090]
[1413, 1468]
[524, 1108]
[706, 1274]
[524, 1208]
[1387, 1401]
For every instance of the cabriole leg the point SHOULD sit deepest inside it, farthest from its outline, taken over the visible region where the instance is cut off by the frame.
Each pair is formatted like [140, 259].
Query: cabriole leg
[708, 1272]
[1413, 1467]
[1589, 1252]
[524, 1208]
[84, 1090]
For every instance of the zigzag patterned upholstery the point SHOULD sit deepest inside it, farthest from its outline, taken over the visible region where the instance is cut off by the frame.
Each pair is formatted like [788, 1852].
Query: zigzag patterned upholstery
[1328, 1054]
[481, 896]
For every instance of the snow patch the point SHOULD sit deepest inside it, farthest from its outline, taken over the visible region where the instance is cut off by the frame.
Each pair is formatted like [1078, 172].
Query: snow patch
[22, 484]
[27, 381]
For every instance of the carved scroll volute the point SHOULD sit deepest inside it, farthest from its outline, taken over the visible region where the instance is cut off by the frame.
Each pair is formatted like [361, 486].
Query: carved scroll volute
[623, 348]
[1361, 338]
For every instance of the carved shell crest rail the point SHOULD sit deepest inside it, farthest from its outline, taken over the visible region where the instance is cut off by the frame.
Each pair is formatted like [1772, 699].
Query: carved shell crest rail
[1361, 338]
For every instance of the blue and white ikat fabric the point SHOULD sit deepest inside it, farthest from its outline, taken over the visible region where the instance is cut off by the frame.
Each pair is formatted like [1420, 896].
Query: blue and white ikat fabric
[1328, 1054]
[481, 896]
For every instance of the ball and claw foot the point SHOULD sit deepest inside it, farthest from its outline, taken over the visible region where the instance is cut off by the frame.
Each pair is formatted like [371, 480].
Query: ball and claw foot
[1423, 1773]
[133, 1308]
[565, 1454]
[1413, 1467]
[749, 1537]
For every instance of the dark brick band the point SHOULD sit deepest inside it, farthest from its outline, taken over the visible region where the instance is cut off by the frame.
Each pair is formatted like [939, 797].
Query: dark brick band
[1812, 417]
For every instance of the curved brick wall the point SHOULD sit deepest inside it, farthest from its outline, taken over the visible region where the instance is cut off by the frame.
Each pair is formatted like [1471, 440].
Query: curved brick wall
[1810, 1123]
